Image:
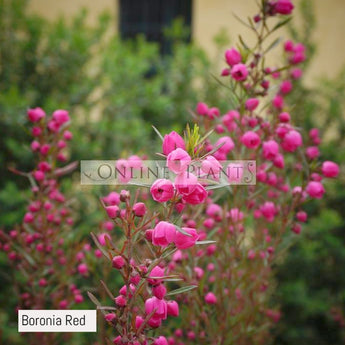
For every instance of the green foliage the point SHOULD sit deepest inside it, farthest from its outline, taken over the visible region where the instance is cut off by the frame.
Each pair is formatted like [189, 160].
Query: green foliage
[311, 280]
[114, 90]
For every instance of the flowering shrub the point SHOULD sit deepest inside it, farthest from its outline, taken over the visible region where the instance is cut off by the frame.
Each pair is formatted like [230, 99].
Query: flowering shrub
[197, 259]
[40, 249]
[244, 229]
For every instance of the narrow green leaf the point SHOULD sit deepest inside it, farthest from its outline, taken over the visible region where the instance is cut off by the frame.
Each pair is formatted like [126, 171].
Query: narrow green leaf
[158, 133]
[137, 184]
[273, 44]
[107, 290]
[206, 136]
[168, 253]
[205, 242]
[243, 43]
[281, 23]
[106, 308]
[181, 290]
[241, 21]
[94, 299]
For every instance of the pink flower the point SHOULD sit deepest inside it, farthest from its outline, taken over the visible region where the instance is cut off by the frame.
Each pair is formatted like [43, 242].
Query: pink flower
[229, 120]
[214, 211]
[173, 308]
[297, 58]
[161, 341]
[36, 114]
[139, 209]
[270, 149]
[117, 340]
[251, 254]
[285, 87]
[296, 73]
[239, 72]
[112, 198]
[53, 126]
[138, 321]
[36, 131]
[225, 72]
[314, 133]
[198, 195]
[118, 262]
[110, 317]
[78, 298]
[159, 291]
[268, 210]
[112, 211]
[163, 234]
[82, 269]
[172, 141]
[252, 103]
[284, 117]
[278, 102]
[302, 216]
[278, 161]
[61, 116]
[235, 172]
[123, 170]
[288, 46]
[232, 57]
[63, 304]
[211, 167]
[202, 108]
[213, 113]
[35, 145]
[134, 162]
[45, 149]
[158, 306]
[67, 135]
[162, 190]
[156, 273]
[120, 301]
[312, 152]
[178, 160]
[38, 175]
[251, 140]
[28, 218]
[315, 189]
[102, 238]
[210, 298]
[292, 140]
[226, 145]
[185, 183]
[330, 169]
[283, 7]
[183, 241]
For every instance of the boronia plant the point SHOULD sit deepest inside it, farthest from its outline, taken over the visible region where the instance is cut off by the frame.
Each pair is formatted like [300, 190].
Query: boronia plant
[44, 259]
[204, 254]
[196, 256]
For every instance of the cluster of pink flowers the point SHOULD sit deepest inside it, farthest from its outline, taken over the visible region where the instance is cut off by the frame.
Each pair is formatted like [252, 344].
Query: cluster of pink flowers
[243, 228]
[250, 225]
[38, 245]
[145, 277]
[152, 238]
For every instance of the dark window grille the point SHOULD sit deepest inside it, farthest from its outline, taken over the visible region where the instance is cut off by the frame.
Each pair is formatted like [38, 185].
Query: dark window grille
[150, 17]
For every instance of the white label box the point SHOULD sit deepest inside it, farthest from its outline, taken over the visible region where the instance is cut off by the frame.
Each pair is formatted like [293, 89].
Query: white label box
[57, 320]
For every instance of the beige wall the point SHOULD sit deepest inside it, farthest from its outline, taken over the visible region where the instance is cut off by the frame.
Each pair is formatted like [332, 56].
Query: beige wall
[209, 16]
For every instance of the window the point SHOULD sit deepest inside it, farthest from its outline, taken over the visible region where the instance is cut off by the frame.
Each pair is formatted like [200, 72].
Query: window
[150, 17]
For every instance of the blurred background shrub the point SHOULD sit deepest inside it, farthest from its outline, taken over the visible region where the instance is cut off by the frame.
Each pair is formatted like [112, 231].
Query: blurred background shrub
[311, 280]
